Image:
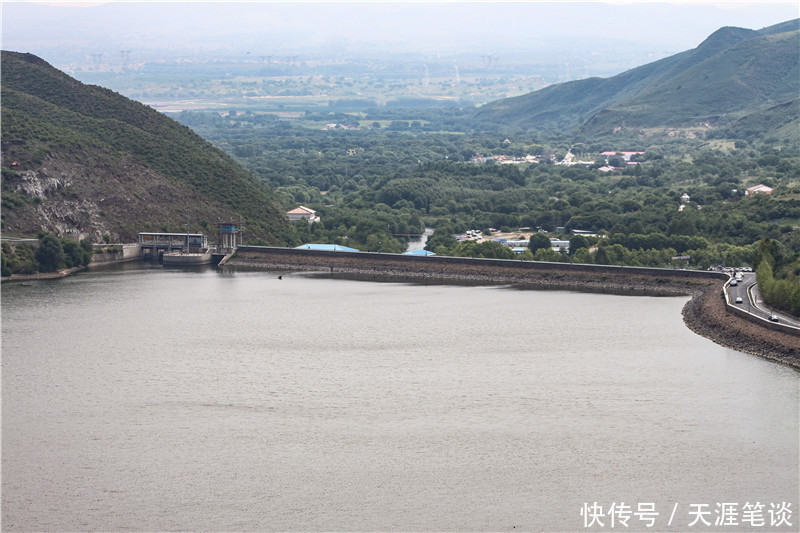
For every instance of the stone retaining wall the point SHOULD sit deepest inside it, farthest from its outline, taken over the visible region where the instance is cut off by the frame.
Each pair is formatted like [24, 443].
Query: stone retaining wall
[128, 252]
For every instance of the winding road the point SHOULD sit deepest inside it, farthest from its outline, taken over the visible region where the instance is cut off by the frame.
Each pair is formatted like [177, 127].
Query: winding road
[753, 302]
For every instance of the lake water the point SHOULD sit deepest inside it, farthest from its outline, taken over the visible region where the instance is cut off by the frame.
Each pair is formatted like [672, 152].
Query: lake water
[144, 398]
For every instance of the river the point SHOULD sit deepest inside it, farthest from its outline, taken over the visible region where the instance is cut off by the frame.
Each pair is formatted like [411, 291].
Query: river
[143, 398]
[418, 243]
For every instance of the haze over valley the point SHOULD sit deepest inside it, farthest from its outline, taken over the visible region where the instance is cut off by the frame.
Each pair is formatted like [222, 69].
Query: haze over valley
[295, 56]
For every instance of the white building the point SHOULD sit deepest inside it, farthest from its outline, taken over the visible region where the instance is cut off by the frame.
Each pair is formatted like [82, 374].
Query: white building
[302, 213]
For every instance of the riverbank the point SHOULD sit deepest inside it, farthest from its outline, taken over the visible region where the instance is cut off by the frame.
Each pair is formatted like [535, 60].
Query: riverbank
[43, 275]
[705, 313]
[124, 253]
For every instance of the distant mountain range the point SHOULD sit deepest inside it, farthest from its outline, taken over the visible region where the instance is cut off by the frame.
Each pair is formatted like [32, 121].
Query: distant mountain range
[735, 74]
[80, 157]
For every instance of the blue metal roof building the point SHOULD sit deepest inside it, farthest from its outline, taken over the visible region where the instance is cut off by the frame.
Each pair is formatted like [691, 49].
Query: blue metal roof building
[325, 247]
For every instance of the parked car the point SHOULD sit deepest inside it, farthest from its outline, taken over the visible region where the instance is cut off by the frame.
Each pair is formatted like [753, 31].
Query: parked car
[734, 283]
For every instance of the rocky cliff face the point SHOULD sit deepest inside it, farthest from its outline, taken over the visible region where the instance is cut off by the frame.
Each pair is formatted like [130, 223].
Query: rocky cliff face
[109, 199]
[77, 156]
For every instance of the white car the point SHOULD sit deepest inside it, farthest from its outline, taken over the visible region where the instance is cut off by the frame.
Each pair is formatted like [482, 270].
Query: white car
[734, 283]
[738, 299]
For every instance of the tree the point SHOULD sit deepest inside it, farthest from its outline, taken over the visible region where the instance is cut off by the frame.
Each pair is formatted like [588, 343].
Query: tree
[539, 241]
[550, 255]
[6, 270]
[582, 256]
[636, 227]
[77, 254]
[73, 254]
[442, 238]
[576, 243]
[49, 254]
[494, 250]
[88, 251]
[766, 251]
[682, 226]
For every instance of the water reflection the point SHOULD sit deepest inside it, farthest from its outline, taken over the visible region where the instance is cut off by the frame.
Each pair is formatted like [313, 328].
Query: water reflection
[150, 399]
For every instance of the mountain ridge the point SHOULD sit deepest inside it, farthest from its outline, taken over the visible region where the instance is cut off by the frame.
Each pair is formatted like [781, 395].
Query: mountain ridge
[51, 122]
[732, 73]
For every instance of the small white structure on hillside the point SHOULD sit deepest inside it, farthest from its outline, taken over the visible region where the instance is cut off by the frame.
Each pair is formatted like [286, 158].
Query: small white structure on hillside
[302, 213]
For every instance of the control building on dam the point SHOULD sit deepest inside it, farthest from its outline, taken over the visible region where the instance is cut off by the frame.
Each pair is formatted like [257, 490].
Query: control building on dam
[154, 245]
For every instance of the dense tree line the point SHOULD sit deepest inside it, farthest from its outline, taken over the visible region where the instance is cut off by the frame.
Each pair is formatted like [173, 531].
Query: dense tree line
[778, 275]
[396, 172]
[49, 255]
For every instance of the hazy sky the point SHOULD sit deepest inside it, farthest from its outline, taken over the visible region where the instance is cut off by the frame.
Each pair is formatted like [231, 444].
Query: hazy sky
[53, 28]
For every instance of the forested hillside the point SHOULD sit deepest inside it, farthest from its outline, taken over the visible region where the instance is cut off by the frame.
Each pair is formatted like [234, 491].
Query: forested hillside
[735, 72]
[370, 183]
[81, 157]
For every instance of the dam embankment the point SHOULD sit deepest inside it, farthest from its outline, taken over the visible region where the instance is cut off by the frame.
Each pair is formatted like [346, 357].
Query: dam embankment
[705, 313]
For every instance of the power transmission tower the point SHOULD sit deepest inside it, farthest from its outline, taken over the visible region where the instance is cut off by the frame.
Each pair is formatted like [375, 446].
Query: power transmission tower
[125, 56]
[489, 61]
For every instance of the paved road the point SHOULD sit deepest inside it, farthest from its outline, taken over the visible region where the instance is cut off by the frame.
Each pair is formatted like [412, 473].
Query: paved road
[19, 239]
[753, 303]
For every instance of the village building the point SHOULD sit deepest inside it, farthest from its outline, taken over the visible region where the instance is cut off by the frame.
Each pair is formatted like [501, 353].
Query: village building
[584, 232]
[760, 188]
[625, 155]
[302, 213]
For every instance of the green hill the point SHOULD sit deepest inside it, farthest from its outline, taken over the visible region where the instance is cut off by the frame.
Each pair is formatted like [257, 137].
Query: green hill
[781, 122]
[735, 72]
[80, 156]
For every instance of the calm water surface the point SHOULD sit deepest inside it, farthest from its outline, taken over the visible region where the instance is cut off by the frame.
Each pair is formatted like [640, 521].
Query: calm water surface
[152, 399]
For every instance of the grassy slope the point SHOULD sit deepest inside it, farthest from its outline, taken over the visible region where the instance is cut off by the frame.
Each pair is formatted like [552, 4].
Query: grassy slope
[781, 121]
[746, 77]
[735, 71]
[49, 112]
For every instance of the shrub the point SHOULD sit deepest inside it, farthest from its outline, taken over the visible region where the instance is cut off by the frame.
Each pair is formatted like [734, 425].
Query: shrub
[49, 254]
[5, 271]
